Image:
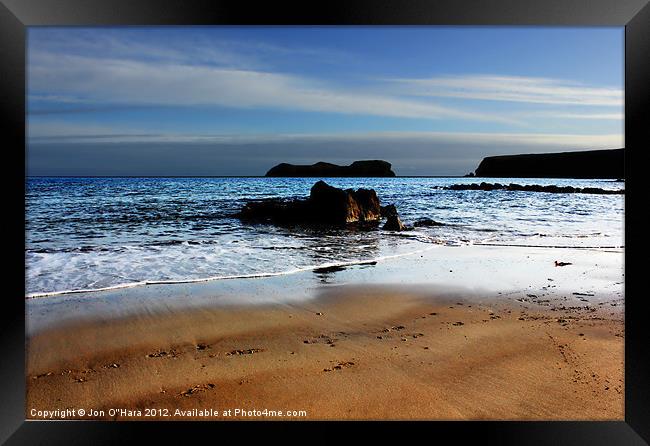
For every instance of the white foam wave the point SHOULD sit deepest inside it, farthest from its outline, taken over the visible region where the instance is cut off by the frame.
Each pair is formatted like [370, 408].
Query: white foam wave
[226, 277]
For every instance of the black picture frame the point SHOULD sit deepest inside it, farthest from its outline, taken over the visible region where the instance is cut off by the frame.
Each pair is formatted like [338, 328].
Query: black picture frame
[16, 15]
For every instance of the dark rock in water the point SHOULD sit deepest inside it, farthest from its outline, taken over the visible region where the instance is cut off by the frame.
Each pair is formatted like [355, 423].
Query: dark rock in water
[534, 188]
[333, 205]
[393, 223]
[274, 210]
[369, 168]
[427, 222]
[326, 205]
[329, 269]
[581, 164]
[388, 211]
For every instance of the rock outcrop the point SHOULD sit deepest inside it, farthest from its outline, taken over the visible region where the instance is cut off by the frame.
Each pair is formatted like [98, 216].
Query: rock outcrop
[393, 223]
[334, 205]
[424, 222]
[535, 188]
[388, 211]
[326, 205]
[370, 168]
[583, 164]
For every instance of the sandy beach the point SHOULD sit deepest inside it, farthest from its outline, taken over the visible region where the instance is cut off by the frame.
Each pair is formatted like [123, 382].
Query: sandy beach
[355, 350]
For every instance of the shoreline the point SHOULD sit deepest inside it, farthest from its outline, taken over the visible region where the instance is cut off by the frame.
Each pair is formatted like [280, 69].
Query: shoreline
[478, 270]
[453, 333]
[334, 266]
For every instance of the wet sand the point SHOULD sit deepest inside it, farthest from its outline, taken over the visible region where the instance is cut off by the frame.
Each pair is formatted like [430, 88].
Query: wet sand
[355, 352]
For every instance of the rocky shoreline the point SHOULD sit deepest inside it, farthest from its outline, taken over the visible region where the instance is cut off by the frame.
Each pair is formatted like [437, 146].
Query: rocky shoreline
[534, 188]
[362, 209]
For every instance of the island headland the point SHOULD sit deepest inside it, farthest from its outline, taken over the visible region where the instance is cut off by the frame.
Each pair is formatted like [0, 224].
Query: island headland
[583, 164]
[367, 168]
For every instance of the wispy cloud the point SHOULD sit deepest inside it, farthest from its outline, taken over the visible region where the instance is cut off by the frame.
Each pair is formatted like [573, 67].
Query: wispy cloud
[53, 132]
[194, 48]
[513, 89]
[82, 71]
[587, 116]
[123, 81]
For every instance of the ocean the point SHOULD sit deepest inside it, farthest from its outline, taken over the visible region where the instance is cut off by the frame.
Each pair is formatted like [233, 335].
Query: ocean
[88, 234]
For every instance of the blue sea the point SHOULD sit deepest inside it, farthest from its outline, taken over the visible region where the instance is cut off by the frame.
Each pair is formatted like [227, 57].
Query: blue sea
[97, 233]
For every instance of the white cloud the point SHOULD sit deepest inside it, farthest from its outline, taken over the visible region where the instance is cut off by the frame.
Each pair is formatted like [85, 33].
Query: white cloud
[513, 89]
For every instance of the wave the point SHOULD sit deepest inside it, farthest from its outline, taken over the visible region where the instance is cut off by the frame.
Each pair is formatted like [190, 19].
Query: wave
[120, 248]
[137, 216]
[418, 236]
[323, 266]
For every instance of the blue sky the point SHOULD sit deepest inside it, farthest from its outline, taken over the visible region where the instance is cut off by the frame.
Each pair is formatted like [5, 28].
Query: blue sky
[237, 100]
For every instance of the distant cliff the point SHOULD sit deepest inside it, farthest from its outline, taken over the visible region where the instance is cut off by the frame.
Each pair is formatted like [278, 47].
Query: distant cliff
[371, 168]
[585, 164]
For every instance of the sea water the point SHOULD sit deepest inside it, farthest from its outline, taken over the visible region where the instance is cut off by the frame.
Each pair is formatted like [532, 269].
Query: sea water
[85, 234]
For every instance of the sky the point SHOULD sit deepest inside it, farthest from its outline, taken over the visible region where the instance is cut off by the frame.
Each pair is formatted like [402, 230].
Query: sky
[238, 100]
